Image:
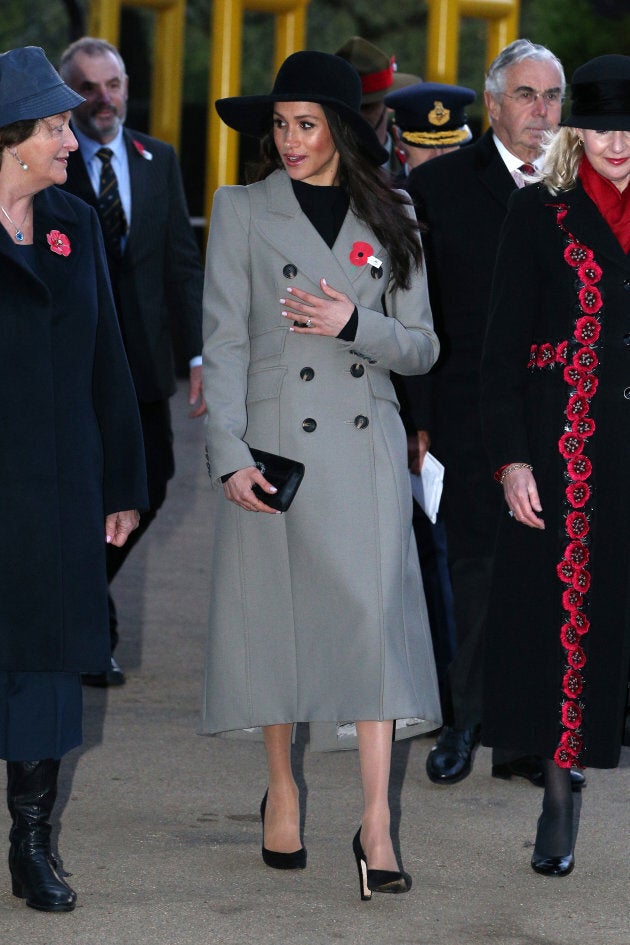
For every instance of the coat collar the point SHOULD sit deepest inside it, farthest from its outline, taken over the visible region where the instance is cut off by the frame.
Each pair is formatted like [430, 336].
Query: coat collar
[491, 169]
[51, 211]
[586, 223]
[302, 246]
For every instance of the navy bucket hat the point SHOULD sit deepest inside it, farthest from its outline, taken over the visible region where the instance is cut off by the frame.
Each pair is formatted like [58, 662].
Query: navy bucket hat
[30, 87]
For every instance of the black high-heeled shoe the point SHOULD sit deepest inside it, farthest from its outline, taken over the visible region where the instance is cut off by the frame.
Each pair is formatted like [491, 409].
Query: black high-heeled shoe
[551, 865]
[383, 881]
[280, 861]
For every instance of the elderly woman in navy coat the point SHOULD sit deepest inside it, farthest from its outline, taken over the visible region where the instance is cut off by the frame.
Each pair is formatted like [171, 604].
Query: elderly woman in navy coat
[71, 466]
[557, 419]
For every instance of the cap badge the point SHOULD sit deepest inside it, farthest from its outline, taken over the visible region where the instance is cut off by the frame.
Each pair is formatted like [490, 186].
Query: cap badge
[439, 115]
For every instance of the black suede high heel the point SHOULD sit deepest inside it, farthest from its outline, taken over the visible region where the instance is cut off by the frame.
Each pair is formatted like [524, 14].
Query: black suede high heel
[280, 861]
[383, 881]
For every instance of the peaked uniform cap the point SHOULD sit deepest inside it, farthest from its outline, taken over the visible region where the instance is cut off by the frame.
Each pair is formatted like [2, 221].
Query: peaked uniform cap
[305, 76]
[30, 87]
[431, 114]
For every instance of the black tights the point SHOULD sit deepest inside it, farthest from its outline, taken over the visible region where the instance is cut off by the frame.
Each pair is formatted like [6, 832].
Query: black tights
[556, 831]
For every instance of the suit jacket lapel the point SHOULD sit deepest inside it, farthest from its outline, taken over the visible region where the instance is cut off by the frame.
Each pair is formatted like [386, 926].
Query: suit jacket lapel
[52, 213]
[492, 172]
[78, 179]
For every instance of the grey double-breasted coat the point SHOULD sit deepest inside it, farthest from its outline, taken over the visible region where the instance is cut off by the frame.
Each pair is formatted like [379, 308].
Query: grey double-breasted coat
[317, 614]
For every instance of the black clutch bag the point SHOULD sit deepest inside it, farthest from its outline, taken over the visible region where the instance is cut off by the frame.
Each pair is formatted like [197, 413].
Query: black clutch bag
[285, 474]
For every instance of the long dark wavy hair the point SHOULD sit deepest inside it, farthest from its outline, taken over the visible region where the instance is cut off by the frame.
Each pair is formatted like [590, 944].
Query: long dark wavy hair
[372, 198]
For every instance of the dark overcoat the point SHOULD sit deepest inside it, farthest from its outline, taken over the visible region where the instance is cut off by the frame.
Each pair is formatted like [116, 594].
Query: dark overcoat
[556, 376]
[462, 200]
[158, 282]
[71, 447]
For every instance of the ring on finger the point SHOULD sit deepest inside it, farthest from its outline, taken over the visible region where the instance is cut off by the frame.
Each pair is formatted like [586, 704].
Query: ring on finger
[308, 323]
[511, 513]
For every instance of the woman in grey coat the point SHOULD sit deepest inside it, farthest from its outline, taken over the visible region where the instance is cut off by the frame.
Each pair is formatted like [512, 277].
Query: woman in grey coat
[314, 292]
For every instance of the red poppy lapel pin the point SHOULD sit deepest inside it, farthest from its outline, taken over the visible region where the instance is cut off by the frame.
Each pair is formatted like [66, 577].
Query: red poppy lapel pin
[362, 254]
[59, 243]
[142, 151]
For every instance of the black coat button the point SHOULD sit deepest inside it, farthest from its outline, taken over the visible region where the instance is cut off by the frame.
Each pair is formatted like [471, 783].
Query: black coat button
[626, 284]
[357, 370]
[376, 272]
[361, 422]
[307, 373]
[309, 425]
[626, 339]
[626, 393]
[289, 271]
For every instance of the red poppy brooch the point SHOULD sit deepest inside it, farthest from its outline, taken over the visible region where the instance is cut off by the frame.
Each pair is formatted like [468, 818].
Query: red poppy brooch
[142, 151]
[59, 243]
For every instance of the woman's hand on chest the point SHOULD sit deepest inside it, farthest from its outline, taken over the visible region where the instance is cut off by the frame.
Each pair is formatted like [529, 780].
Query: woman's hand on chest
[319, 315]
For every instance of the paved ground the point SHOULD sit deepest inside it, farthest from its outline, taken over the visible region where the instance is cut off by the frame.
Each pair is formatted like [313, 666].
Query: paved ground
[161, 832]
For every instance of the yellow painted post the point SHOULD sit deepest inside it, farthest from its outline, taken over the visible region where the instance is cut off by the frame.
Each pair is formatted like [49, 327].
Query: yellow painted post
[104, 20]
[502, 17]
[225, 73]
[442, 41]
[225, 76]
[166, 82]
[167, 91]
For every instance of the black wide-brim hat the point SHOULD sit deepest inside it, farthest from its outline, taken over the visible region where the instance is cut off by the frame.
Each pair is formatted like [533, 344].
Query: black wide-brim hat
[305, 76]
[600, 95]
[30, 87]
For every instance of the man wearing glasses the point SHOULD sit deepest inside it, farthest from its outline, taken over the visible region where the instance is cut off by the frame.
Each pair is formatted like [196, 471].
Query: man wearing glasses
[462, 198]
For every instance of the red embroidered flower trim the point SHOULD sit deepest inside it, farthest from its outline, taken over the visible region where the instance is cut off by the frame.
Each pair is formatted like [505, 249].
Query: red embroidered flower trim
[59, 243]
[584, 426]
[587, 329]
[580, 378]
[571, 715]
[572, 600]
[360, 252]
[576, 254]
[577, 525]
[589, 273]
[590, 299]
[578, 494]
[579, 468]
[570, 445]
[546, 354]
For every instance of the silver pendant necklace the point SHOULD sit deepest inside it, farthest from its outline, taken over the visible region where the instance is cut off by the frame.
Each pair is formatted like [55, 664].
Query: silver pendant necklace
[19, 234]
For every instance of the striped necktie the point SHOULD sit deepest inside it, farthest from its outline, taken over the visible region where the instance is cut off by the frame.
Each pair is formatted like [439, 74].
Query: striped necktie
[110, 208]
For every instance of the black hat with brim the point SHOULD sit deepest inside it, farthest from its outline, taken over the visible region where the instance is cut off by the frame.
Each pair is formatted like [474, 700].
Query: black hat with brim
[600, 95]
[30, 87]
[323, 78]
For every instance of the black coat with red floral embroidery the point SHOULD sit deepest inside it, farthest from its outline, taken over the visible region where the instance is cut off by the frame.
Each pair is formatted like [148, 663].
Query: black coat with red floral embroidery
[556, 394]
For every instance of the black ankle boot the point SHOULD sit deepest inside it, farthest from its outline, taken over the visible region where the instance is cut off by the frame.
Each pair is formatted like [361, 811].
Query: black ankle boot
[31, 794]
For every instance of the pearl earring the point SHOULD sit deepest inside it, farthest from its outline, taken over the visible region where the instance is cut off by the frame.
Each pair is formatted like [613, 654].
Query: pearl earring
[19, 160]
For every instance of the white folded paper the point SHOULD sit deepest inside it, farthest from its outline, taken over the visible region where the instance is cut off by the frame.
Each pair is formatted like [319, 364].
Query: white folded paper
[427, 487]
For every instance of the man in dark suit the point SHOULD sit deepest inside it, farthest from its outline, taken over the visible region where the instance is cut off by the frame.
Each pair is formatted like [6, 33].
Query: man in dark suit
[462, 198]
[154, 262]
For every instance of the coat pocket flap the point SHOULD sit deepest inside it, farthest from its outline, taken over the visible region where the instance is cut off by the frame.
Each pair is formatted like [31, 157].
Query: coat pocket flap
[265, 384]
